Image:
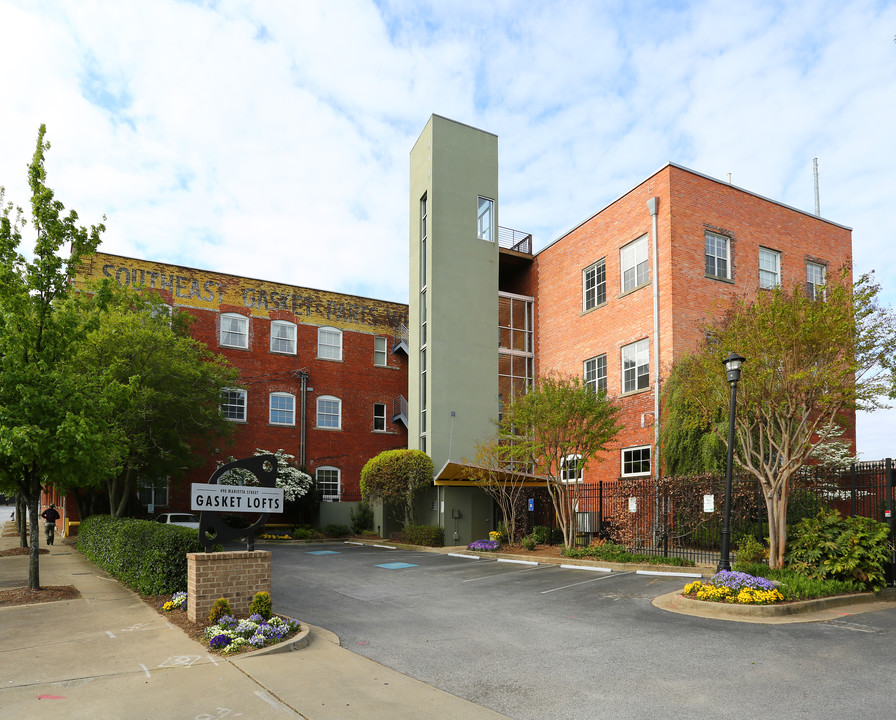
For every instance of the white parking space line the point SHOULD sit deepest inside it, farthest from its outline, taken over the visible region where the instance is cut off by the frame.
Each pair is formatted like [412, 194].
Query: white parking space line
[585, 582]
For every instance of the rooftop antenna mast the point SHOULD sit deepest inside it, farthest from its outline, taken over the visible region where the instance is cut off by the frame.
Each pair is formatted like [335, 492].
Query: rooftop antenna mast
[815, 174]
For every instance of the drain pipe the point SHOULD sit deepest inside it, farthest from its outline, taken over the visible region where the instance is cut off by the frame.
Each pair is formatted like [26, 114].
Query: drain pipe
[303, 376]
[653, 206]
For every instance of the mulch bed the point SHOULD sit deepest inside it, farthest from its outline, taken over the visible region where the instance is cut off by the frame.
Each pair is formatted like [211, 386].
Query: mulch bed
[20, 551]
[48, 593]
[195, 630]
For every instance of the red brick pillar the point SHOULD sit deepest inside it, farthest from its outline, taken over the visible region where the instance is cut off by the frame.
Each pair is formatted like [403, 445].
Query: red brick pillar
[236, 576]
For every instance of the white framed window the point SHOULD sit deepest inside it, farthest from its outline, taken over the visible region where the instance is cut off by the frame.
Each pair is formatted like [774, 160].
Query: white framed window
[233, 404]
[816, 277]
[769, 268]
[329, 343]
[423, 235]
[283, 337]
[718, 255]
[636, 461]
[594, 285]
[596, 373]
[154, 494]
[329, 412]
[633, 264]
[486, 219]
[379, 416]
[234, 331]
[379, 351]
[636, 366]
[282, 409]
[327, 479]
[571, 469]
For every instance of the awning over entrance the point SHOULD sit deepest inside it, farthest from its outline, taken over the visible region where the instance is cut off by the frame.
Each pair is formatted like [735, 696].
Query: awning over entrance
[459, 474]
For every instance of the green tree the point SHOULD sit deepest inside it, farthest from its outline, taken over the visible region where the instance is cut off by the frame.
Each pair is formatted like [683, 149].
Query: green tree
[497, 472]
[49, 431]
[809, 364]
[560, 427]
[160, 388]
[395, 477]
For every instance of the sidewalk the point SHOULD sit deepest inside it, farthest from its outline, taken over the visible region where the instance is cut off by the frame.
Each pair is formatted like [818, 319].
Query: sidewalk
[108, 654]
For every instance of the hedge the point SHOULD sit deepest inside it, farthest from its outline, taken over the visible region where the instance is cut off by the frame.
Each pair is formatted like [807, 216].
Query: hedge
[147, 556]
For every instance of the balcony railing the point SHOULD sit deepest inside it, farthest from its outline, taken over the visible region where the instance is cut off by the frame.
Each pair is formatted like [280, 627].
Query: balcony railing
[515, 240]
[400, 410]
[402, 339]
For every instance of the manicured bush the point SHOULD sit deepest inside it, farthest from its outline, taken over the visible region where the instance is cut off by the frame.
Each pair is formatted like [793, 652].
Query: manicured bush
[611, 552]
[147, 556]
[220, 609]
[306, 533]
[529, 542]
[750, 550]
[541, 534]
[337, 531]
[829, 546]
[361, 518]
[427, 535]
[261, 605]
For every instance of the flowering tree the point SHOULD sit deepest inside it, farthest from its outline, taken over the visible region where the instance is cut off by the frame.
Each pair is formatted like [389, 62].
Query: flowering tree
[290, 479]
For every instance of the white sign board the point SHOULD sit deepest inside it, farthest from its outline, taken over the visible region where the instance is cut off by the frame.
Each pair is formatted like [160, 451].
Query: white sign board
[709, 503]
[236, 498]
[633, 504]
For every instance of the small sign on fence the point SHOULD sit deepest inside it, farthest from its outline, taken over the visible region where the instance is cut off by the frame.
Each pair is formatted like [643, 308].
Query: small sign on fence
[709, 503]
[633, 504]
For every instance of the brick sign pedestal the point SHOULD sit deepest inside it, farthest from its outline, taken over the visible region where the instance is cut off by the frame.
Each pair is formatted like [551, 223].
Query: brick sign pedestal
[236, 576]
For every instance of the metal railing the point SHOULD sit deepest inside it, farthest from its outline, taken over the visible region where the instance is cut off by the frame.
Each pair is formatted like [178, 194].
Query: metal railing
[516, 240]
[400, 410]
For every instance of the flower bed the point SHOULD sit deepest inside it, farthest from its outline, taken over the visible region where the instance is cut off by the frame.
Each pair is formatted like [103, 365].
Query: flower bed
[735, 587]
[484, 545]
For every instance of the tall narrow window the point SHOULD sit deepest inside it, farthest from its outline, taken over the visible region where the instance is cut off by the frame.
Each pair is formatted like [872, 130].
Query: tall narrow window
[379, 416]
[423, 318]
[633, 264]
[327, 479]
[717, 255]
[594, 285]
[235, 331]
[283, 337]
[636, 366]
[423, 236]
[486, 216]
[769, 268]
[329, 412]
[636, 461]
[233, 405]
[379, 351]
[816, 276]
[329, 343]
[282, 409]
[596, 373]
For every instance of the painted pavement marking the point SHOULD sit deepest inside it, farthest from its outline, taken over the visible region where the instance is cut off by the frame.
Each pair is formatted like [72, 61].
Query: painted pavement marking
[585, 582]
[396, 566]
[322, 552]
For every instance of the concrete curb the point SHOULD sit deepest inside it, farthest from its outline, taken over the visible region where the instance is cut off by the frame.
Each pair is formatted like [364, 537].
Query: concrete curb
[300, 640]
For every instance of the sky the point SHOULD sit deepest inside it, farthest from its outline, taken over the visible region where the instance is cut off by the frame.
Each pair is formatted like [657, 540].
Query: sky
[271, 138]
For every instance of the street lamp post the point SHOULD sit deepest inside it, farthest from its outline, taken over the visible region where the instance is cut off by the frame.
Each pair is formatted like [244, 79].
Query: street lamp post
[732, 364]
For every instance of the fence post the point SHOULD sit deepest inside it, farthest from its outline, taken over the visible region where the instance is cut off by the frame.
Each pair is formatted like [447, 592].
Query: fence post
[852, 488]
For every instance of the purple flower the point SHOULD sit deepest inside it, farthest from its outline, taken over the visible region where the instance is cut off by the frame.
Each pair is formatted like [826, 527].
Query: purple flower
[483, 545]
[738, 581]
[219, 641]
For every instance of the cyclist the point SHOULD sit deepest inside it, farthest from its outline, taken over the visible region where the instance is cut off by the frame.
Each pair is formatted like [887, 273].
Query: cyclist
[50, 516]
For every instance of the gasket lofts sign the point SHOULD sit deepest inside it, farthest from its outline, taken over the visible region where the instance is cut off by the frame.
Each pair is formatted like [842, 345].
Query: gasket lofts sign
[235, 498]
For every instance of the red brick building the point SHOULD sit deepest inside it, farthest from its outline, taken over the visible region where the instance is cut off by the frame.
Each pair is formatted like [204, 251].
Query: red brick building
[323, 376]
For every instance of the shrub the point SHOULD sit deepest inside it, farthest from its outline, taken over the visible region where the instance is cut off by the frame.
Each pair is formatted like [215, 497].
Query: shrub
[799, 587]
[337, 531]
[529, 542]
[370, 534]
[541, 534]
[305, 533]
[261, 605]
[147, 556]
[361, 518]
[829, 546]
[427, 535]
[219, 610]
[750, 550]
[611, 552]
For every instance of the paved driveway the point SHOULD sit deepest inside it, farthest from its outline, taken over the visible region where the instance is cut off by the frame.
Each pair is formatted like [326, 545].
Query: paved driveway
[546, 642]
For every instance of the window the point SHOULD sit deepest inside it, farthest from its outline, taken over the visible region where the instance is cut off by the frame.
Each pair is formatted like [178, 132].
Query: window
[328, 483]
[233, 405]
[379, 416]
[815, 280]
[596, 373]
[571, 468]
[379, 351]
[636, 366]
[235, 331]
[718, 256]
[283, 337]
[423, 215]
[594, 285]
[486, 219]
[769, 268]
[329, 343]
[329, 412]
[154, 494]
[636, 461]
[282, 409]
[423, 318]
[633, 264]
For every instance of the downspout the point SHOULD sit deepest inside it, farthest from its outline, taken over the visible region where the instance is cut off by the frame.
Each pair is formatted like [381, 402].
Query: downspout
[653, 207]
[303, 376]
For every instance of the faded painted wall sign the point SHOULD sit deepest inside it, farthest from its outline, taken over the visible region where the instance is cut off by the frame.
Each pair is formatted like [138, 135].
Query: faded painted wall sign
[208, 290]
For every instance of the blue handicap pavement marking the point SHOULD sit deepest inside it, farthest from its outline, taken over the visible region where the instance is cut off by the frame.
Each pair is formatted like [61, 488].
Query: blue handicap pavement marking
[396, 566]
[322, 552]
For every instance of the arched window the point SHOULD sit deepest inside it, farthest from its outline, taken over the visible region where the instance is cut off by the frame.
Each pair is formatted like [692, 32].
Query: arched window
[235, 331]
[283, 337]
[329, 343]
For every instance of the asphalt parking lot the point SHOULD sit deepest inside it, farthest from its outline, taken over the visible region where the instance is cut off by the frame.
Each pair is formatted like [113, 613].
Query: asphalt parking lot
[544, 641]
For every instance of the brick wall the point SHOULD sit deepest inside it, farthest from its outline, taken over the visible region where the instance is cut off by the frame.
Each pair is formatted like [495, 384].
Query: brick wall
[235, 576]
